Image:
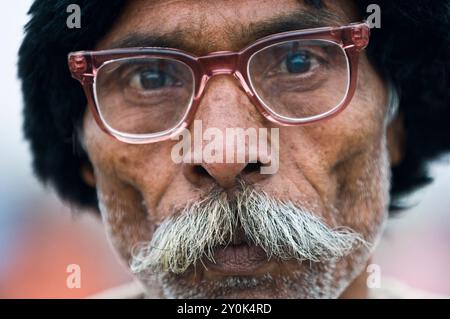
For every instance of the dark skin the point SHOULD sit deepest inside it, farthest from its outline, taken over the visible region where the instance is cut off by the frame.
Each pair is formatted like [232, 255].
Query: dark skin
[335, 166]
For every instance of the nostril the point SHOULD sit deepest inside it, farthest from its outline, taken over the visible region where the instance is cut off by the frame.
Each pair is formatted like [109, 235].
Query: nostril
[201, 171]
[197, 174]
[252, 168]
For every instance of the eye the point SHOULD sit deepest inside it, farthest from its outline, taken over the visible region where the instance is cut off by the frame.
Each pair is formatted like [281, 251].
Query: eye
[151, 79]
[298, 62]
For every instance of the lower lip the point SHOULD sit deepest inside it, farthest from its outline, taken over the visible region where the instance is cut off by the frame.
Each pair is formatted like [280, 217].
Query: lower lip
[237, 259]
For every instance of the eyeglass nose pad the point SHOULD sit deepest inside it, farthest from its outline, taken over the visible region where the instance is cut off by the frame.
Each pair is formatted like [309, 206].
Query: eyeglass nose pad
[224, 63]
[242, 83]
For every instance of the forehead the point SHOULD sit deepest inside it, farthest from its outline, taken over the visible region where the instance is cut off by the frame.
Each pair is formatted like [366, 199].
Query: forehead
[202, 26]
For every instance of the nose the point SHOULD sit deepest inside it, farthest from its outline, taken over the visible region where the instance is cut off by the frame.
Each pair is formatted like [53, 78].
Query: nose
[224, 113]
[224, 175]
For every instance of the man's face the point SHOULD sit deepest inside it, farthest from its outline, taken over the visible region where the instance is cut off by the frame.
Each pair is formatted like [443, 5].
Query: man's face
[337, 169]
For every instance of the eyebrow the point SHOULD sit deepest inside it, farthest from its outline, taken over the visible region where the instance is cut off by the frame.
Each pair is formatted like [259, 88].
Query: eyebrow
[297, 20]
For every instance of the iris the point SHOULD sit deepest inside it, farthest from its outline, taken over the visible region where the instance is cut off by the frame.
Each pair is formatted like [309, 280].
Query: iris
[298, 62]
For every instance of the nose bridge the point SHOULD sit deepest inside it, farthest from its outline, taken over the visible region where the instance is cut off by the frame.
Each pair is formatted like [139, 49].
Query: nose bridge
[223, 96]
[225, 114]
[224, 104]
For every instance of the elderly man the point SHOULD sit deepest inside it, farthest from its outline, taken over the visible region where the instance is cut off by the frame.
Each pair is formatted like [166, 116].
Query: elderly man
[345, 113]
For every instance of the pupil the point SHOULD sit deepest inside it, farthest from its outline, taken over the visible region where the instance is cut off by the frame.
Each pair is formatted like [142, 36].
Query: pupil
[298, 62]
[152, 79]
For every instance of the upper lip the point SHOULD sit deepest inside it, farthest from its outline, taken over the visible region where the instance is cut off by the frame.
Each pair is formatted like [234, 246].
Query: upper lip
[239, 257]
[239, 237]
[242, 259]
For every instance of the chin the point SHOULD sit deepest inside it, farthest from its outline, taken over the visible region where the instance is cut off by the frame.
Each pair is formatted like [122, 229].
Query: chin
[274, 280]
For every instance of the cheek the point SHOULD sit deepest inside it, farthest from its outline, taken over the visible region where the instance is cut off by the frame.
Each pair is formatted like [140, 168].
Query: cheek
[123, 173]
[127, 165]
[345, 157]
[360, 127]
[362, 169]
[359, 130]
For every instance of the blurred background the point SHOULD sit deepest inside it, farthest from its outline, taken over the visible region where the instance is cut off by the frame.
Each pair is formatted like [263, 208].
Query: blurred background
[40, 236]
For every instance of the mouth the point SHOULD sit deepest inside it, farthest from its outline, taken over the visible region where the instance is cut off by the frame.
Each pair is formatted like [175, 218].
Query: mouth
[239, 258]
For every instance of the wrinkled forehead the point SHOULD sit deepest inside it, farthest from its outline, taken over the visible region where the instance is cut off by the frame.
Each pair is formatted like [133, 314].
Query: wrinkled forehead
[202, 26]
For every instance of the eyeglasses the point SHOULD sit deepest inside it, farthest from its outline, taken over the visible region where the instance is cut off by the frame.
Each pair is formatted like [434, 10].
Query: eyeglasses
[144, 95]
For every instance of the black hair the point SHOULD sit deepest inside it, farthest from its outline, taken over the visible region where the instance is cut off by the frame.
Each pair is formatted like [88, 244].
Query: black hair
[412, 48]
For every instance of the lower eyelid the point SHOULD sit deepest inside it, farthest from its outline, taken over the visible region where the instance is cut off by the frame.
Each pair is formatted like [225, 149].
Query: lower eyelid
[272, 73]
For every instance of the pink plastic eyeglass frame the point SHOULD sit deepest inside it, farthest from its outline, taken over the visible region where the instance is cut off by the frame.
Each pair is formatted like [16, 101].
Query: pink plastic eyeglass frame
[84, 65]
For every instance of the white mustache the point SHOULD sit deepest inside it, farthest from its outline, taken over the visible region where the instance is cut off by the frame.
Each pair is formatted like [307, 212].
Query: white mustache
[282, 229]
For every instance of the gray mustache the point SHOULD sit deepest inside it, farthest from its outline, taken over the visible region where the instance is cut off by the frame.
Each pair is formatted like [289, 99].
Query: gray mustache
[283, 230]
